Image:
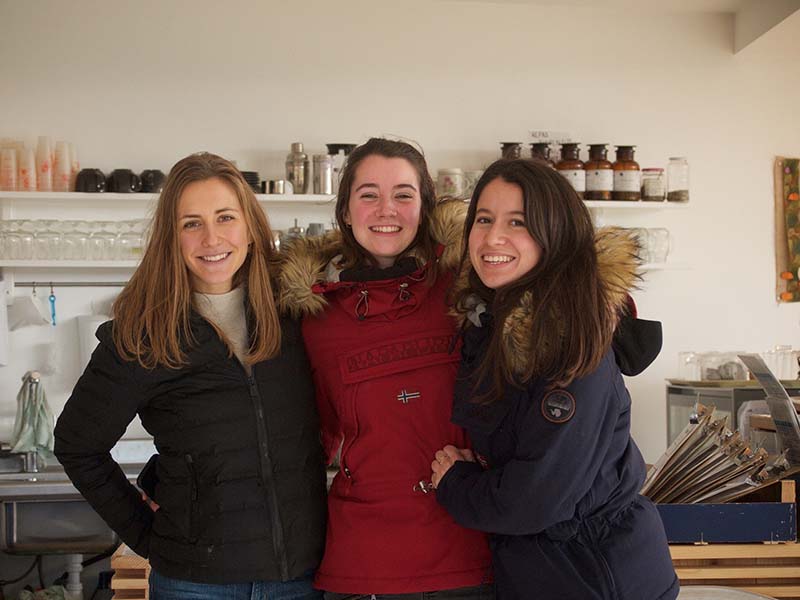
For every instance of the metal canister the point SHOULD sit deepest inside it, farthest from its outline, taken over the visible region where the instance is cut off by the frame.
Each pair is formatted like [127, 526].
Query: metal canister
[297, 169]
[323, 174]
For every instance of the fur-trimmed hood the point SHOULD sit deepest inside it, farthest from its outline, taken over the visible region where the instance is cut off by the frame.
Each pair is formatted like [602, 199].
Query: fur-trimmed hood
[306, 262]
[618, 269]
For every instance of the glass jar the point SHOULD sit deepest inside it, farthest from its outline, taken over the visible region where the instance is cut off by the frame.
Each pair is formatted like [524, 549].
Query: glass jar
[678, 179]
[571, 167]
[541, 151]
[450, 182]
[599, 173]
[511, 149]
[653, 185]
[627, 176]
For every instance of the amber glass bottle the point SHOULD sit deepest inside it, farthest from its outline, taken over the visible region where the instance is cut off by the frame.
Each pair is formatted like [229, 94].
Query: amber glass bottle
[599, 173]
[541, 151]
[627, 176]
[511, 149]
[571, 167]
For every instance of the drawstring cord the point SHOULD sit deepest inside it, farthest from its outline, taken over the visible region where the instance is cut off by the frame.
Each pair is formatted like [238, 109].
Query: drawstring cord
[362, 301]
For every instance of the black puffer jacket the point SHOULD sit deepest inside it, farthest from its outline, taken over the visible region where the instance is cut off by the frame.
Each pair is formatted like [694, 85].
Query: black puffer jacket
[241, 480]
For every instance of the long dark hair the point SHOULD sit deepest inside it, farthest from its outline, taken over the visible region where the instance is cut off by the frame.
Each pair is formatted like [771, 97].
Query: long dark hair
[353, 254]
[563, 295]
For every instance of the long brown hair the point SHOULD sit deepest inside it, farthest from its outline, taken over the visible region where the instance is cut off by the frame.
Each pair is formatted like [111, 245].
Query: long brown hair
[151, 314]
[353, 254]
[569, 322]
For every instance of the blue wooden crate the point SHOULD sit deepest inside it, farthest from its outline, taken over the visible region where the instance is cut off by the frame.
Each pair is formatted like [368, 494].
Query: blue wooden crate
[734, 522]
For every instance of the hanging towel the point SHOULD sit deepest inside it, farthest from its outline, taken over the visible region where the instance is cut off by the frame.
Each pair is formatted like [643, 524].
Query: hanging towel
[33, 427]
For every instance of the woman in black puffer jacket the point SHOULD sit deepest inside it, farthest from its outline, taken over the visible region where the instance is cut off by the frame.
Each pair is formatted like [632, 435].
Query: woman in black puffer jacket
[199, 352]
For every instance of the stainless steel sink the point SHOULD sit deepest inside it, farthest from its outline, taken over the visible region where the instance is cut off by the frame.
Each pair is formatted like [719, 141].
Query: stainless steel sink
[43, 513]
[17, 462]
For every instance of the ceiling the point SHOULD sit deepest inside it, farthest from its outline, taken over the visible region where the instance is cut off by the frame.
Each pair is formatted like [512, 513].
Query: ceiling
[664, 6]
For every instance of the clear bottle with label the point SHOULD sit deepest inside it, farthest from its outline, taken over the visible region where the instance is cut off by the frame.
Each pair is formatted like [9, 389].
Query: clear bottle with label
[653, 185]
[572, 168]
[297, 169]
[599, 173]
[678, 179]
[541, 151]
[627, 176]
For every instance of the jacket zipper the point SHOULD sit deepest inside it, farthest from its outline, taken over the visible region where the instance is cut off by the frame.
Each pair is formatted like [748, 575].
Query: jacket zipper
[265, 464]
[193, 494]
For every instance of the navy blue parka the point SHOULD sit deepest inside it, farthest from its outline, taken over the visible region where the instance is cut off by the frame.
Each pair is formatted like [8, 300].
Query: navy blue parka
[556, 484]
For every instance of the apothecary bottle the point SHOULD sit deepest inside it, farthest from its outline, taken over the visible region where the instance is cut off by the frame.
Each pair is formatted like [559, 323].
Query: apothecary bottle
[678, 179]
[541, 151]
[627, 176]
[599, 173]
[653, 185]
[511, 149]
[571, 167]
[297, 169]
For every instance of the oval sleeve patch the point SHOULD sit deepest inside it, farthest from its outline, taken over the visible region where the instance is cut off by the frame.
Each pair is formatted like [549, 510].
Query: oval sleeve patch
[558, 406]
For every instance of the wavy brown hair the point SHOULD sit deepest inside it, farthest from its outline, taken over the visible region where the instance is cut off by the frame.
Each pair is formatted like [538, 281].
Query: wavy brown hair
[563, 293]
[353, 254]
[151, 314]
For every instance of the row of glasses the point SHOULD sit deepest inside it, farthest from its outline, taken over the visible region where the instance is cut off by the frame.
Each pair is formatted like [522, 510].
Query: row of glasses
[47, 239]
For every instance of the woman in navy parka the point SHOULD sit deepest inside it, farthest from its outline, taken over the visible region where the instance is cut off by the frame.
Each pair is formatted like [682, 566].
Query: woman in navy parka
[555, 474]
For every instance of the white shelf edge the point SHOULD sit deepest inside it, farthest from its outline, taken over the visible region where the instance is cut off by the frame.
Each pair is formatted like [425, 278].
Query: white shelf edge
[665, 266]
[70, 264]
[82, 196]
[635, 204]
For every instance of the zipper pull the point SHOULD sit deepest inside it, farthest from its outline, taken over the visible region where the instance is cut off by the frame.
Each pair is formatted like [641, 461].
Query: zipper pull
[424, 486]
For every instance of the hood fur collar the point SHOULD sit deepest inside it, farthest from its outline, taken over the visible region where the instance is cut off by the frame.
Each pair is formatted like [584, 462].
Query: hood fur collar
[618, 268]
[307, 261]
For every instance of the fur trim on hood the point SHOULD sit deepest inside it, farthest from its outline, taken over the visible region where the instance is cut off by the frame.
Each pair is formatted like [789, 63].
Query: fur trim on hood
[618, 270]
[307, 261]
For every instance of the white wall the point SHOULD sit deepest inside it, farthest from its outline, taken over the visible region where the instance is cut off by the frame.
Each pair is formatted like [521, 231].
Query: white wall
[141, 84]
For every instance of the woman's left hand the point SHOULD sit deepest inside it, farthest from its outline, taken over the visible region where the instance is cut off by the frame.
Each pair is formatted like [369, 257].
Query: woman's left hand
[446, 458]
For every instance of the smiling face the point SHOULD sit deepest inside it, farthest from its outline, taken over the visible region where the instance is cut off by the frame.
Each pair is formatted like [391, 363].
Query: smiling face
[500, 247]
[213, 235]
[384, 207]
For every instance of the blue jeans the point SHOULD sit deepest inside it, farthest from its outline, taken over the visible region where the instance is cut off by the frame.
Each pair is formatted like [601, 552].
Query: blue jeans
[166, 588]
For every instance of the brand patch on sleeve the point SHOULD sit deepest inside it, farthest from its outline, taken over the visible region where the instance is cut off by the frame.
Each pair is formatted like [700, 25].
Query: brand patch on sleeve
[558, 406]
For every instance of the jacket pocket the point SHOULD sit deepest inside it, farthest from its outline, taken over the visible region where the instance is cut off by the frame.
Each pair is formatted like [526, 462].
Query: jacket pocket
[397, 355]
[193, 494]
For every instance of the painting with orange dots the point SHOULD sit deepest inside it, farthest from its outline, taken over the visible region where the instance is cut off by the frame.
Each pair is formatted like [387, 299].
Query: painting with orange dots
[787, 229]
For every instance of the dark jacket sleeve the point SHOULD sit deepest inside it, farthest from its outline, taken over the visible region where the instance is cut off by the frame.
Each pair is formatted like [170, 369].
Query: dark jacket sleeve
[103, 403]
[553, 468]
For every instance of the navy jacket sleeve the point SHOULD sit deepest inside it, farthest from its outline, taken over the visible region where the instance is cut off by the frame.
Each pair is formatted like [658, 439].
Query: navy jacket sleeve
[554, 465]
[103, 403]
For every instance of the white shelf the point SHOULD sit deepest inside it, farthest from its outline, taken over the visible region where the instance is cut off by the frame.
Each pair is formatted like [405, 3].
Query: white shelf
[70, 264]
[635, 205]
[665, 266]
[115, 197]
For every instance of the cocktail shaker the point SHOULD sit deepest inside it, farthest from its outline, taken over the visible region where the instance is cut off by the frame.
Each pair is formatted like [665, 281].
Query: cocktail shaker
[297, 169]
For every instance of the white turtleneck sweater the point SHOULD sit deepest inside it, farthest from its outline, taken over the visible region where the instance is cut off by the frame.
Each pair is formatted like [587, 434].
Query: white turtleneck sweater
[226, 311]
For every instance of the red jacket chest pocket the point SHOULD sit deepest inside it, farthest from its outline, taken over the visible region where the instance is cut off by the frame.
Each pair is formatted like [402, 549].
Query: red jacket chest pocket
[398, 354]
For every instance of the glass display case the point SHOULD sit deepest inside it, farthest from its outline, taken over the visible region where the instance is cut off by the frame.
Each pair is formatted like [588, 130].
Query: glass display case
[726, 397]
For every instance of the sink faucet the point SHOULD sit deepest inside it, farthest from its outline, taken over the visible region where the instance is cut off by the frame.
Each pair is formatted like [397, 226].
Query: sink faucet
[30, 462]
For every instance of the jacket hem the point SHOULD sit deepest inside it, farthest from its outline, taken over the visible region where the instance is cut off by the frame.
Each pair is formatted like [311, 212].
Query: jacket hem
[403, 585]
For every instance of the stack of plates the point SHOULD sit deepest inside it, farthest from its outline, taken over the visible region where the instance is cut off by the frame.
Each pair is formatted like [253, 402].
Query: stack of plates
[253, 180]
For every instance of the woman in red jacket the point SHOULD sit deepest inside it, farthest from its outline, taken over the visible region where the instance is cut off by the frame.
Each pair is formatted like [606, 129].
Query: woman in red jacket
[377, 332]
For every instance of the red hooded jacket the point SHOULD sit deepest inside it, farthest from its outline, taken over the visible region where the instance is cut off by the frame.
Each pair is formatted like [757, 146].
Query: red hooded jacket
[384, 367]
